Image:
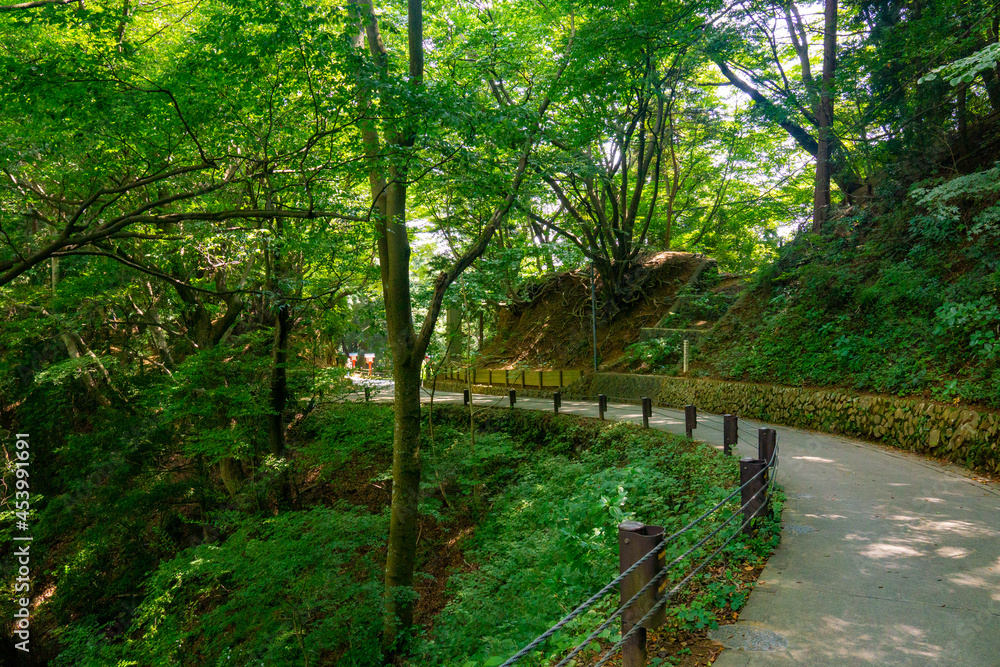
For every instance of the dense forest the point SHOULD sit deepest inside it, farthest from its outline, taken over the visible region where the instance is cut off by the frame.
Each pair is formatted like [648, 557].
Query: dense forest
[207, 206]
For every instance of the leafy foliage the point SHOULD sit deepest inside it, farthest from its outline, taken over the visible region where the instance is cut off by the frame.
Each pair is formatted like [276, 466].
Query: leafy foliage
[305, 586]
[658, 354]
[908, 306]
[965, 70]
[299, 584]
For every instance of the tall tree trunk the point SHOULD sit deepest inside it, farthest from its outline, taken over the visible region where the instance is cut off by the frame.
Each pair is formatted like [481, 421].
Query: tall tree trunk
[453, 334]
[279, 350]
[821, 194]
[279, 380]
[232, 475]
[404, 515]
[408, 348]
[407, 355]
[394, 260]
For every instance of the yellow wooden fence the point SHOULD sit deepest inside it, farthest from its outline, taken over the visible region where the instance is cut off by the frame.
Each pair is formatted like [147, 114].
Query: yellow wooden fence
[509, 378]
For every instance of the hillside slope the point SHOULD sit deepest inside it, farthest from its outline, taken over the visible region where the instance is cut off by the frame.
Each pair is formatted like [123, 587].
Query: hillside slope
[901, 296]
[553, 328]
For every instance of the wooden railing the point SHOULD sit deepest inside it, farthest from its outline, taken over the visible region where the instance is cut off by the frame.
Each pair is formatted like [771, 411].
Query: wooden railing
[513, 378]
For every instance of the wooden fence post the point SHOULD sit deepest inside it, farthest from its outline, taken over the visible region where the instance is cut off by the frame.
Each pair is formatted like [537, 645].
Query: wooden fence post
[752, 497]
[690, 420]
[635, 540]
[766, 440]
[730, 432]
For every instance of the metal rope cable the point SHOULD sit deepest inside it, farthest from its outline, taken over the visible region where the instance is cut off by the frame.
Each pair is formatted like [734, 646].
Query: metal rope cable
[771, 465]
[681, 584]
[773, 476]
[746, 431]
[668, 416]
[707, 424]
[711, 427]
[751, 439]
[662, 573]
[614, 649]
[617, 580]
[717, 425]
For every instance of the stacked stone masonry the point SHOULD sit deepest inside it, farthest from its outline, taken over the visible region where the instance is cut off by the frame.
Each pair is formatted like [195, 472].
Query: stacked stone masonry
[952, 432]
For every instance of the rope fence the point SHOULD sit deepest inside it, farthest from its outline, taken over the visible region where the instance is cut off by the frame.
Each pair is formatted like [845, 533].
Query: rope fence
[744, 435]
[640, 578]
[755, 493]
[621, 577]
[680, 585]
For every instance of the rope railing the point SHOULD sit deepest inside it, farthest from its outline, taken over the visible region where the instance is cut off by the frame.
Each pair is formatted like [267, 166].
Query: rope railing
[680, 585]
[744, 435]
[660, 575]
[617, 580]
[769, 470]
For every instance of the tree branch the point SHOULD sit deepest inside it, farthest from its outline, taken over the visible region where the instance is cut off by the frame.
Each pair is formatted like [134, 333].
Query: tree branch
[36, 3]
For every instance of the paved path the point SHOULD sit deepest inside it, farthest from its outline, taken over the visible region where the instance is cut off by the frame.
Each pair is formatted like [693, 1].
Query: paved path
[886, 559]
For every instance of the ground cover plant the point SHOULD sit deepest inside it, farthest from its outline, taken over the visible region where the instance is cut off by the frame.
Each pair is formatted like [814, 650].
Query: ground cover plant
[518, 524]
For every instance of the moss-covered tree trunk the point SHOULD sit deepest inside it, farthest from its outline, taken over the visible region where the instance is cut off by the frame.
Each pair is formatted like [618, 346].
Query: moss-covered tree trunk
[388, 185]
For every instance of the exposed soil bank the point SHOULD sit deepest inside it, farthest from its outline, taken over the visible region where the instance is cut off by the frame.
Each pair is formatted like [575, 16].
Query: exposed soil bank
[553, 328]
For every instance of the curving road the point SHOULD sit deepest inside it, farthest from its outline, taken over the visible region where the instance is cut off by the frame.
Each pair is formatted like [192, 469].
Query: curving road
[887, 558]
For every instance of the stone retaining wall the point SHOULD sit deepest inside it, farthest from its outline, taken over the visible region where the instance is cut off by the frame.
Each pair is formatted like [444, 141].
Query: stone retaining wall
[959, 434]
[965, 436]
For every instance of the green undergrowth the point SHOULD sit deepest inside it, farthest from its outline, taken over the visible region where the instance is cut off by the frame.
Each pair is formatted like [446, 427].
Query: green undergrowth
[652, 356]
[549, 540]
[901, 297]
[529, 508]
